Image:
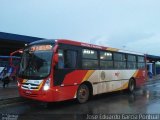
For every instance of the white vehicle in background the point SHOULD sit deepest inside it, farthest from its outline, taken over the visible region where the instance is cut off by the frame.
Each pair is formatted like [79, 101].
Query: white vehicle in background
[5, 63]
[1, 69]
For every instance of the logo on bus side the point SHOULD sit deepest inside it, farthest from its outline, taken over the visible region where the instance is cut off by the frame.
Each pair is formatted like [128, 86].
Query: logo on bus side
[103, 76]
[29, 86]
[117, 74]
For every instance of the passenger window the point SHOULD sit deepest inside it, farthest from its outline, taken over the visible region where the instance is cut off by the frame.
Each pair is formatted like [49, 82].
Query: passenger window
[106, 61]
[90, 64]
[131, 62]
[105, 55]
[141, 62]
[119, 57]
[70, 59]
[119, 61]
[106, 64]
[67, 59]
[131, 58]
[120, 65]
[60, 59]
[90, 54]
[89, 59]
[140, 59]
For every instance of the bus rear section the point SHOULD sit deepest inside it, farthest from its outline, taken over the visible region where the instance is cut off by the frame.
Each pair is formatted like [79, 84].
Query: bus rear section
[57, 70]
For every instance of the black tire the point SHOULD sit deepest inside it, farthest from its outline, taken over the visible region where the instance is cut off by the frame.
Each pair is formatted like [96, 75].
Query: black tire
[83, 93]
[131, 85]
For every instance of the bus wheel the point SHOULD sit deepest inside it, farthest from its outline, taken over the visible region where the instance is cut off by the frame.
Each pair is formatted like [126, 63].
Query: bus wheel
[83, 93]
[131, 85]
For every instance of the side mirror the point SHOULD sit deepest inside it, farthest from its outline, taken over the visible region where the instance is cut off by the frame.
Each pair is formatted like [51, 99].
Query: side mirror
[15, 53]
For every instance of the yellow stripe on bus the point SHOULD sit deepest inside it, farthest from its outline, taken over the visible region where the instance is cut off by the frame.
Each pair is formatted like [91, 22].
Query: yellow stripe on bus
[124, 86]
[112, 49]
[39, 86]
[24, 81]
[86, 77]
[88, 74]
[135, 74]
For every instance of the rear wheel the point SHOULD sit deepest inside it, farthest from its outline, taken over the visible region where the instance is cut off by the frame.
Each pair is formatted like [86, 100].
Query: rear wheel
[131, 85]
[83, 93]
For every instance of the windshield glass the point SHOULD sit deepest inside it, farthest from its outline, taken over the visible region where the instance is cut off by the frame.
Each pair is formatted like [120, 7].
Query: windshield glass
[36, 62]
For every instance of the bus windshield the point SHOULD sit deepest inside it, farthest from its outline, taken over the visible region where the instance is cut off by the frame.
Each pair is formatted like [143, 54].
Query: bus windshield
[36, 62]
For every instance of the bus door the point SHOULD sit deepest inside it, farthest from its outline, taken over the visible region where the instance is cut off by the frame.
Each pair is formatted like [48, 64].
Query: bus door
[68, 57]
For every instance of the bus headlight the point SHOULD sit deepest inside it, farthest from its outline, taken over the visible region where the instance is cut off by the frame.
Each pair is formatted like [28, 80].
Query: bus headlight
[46, 85]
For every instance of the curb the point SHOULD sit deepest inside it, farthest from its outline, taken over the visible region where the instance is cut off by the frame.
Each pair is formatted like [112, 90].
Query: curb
[9, 101]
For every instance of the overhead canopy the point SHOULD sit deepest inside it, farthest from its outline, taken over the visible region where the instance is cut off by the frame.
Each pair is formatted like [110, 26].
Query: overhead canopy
[153, 58]
[19, 38]
[12, 42]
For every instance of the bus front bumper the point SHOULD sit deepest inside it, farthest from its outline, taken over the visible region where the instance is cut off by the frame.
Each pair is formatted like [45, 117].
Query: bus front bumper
[52, 95]
[46, 96]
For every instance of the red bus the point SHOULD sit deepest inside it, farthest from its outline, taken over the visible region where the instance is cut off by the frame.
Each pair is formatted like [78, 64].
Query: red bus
[58, 70]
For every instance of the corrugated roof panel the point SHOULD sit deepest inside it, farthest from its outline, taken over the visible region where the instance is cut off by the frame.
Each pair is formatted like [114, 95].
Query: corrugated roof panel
[22, 38]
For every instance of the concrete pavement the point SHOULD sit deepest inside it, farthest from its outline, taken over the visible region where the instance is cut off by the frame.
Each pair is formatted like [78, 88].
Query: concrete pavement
[10, 93]
[144, 104]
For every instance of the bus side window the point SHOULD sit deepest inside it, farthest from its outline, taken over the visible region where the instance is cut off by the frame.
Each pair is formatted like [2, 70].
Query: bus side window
[60, 59]
[70, 59]
[67, 59]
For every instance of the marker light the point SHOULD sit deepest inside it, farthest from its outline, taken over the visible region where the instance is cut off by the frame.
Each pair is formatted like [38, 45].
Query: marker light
[46, 85]
[18, 83]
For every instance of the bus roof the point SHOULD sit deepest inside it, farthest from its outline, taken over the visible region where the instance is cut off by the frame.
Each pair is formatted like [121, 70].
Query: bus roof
[97, 46]
[82, 44]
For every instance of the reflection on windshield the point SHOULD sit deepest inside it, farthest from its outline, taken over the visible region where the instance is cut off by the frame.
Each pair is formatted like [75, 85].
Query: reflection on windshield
[35, 64]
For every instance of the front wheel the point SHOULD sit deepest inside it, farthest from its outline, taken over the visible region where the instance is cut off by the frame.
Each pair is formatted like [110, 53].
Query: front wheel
[131, 85]
[83, 93]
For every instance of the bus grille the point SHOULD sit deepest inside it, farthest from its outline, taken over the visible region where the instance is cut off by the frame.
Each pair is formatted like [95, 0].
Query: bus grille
[29, 86]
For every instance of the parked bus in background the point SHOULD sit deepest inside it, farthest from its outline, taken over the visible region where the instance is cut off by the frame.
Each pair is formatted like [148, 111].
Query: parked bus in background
[57, 70]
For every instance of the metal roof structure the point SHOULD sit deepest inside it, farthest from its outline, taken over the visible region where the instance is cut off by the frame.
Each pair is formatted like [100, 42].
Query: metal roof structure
[19, 38]
[12, 42]
[153, 58]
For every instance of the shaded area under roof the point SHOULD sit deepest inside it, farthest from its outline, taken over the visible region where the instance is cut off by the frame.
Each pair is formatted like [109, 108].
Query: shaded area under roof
[12, 42]
[153, 58]
[15, 37]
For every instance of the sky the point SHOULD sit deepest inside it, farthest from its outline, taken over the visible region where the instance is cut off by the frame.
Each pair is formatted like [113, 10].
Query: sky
[126, 24]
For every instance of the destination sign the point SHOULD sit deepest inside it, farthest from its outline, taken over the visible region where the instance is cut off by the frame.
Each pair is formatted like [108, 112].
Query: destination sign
[40, 48]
